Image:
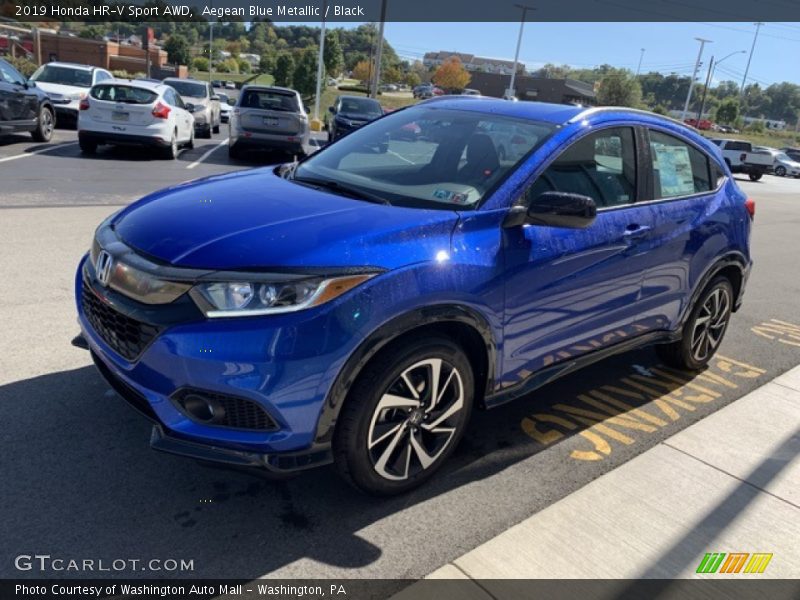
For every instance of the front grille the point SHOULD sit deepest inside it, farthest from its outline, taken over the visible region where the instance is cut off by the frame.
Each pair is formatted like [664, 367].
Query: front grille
[227, 411]
[128, 337]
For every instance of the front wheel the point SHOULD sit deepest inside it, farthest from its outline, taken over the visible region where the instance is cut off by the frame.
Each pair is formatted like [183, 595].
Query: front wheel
[404, 416]
[704, 330]
[780, 171]
[44, 126]
[755, 176]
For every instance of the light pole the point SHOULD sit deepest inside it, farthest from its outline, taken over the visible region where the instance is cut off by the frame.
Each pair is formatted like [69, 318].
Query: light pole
[510, 93]
[316, 124]
[379, 53]
[749, 58]
[641, 56]
[210, 48]
[703, 42]
[711, 67]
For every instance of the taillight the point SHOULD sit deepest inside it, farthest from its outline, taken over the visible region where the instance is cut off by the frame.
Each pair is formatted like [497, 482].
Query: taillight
[750, 205]
[84, 105]
[161, 111]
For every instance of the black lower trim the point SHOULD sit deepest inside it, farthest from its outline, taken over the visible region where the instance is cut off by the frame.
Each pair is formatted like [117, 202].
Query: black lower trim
[551, 373]
[121, 139]
[138, 402]
[288, 462]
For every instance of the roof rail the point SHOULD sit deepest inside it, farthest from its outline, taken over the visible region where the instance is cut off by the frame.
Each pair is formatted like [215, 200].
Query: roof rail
[603, 109]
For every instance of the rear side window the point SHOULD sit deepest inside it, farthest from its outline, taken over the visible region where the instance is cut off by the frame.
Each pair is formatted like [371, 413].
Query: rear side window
[601, 165]
[123, 93]
[268, 100]
[679, 169]
[739, 146]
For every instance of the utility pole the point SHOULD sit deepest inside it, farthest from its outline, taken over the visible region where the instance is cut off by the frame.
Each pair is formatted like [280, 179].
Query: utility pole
[639, 68]
[510, 92]
[749, 58]
[694, 76]
[705, 91]
[379, 52]
[316, 124]
[210, 48]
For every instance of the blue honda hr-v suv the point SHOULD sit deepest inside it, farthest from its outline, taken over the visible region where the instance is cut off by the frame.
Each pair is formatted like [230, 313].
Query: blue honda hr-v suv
[358, 306]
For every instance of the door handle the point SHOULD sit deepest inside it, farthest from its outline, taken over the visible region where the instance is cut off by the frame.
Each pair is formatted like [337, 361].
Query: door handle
[635, 231]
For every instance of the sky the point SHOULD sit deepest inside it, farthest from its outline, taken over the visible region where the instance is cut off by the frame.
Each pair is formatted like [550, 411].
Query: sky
[668, 46]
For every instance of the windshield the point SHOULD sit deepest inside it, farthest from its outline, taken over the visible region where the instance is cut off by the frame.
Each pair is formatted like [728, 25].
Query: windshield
[63, 76]
[360, 106]
[188, 88]
[782, 156]
[427, 157]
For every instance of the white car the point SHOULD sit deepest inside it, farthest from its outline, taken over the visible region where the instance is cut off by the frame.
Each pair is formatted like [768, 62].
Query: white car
[135, 113]
[67, 84]
[225, 107]
[785, 166]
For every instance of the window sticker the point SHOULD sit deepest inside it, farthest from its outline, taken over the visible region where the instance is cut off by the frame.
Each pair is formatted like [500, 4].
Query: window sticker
[674, 170]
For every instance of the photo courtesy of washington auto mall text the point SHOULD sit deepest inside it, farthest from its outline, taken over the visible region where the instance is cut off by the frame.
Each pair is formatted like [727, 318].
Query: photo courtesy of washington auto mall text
[399, 299]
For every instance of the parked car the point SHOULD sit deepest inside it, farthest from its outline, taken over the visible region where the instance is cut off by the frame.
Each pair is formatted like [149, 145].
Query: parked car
[23, 106]
[417, 90]
[348, 113]
[510, 141]
[225, 107]
[793, 153]
[430, 92]
[269, 118]
[702, 124]
[202, 101]
[66, 84]
[217, 84]
[388, 87]
[741, 157]
[332, 82]
[470, 92]
[229, 85]
[135, 113]
[785, 166]
[360, 306]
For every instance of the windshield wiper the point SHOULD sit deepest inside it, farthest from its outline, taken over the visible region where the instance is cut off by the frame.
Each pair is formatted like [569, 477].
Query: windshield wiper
[343, 189]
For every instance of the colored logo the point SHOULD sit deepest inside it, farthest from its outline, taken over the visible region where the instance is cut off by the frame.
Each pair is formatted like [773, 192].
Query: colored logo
[734, 562]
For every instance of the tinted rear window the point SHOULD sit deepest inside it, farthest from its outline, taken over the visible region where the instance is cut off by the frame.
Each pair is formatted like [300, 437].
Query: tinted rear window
[123, 93]
[269, 100]
[63, 76]
[191, 89]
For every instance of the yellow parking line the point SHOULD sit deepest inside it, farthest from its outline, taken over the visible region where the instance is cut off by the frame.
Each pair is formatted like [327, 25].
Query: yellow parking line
[207, 154]
[35, 152]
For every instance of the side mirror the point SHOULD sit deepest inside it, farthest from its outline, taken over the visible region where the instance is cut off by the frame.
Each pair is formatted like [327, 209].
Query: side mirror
[189, 106]
[555, 209]
[331, 110]
[215, 97]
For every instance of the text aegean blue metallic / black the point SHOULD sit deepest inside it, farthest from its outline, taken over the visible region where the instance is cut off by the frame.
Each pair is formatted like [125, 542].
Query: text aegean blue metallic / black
[359, 306]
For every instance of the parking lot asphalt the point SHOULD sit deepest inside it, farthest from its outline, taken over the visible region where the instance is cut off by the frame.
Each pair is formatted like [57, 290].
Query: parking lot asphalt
[80, 481]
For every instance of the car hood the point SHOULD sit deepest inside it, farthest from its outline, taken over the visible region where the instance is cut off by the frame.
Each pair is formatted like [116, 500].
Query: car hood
[57, 88]
[258, 220]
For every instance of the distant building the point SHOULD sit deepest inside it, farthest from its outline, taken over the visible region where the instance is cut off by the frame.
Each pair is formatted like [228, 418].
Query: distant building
[541, 89]
[471, 62]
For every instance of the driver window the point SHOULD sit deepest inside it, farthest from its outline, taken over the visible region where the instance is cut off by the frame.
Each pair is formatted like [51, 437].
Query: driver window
[600, 165]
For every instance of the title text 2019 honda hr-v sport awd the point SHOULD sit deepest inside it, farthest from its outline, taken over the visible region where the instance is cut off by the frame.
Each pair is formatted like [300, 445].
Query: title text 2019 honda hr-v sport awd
[358, 306]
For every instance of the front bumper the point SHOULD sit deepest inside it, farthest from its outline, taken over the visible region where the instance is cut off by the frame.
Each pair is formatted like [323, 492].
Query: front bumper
[278, 362]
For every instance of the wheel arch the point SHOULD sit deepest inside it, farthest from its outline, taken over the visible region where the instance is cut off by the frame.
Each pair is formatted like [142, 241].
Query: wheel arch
[734, 267]
[463, 324]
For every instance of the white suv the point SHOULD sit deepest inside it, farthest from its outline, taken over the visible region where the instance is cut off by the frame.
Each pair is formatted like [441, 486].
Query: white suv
[139, 113]
[67, 84]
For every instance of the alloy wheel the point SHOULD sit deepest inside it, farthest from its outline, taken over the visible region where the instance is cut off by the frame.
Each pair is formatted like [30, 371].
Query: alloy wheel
[710, 323]
[780, 171]
[416, 419]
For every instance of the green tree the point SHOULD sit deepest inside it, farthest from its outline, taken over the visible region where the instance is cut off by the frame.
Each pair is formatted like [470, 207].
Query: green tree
[92, 32]
[200, 63]
[413, 79]
[284, 69]
[267, 62]
[304, 79]
[332, 56]
[179, 51]
[728, 111]
[244, 65]
[619, 88]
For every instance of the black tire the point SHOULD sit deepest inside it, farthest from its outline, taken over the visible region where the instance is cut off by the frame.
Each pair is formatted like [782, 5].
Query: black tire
[45, 125]
[206, 133]
[372, 445]
[87, 147]
[234, 152]
[755, 176]
[171, 151]
[190, 143]
[215, 128]
[686, 353]
[780, 171]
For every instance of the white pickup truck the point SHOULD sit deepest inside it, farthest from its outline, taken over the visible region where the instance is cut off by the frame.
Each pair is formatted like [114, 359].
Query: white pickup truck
[742, 158]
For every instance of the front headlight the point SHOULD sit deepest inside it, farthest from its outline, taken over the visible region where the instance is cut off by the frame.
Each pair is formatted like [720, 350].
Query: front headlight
[248, 298]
